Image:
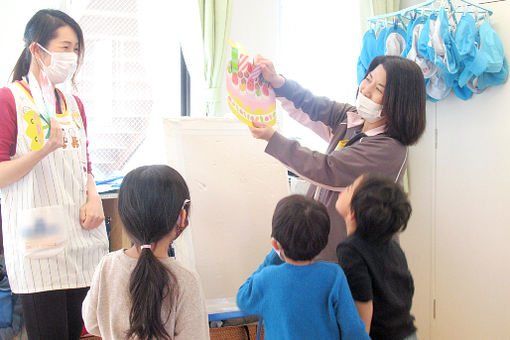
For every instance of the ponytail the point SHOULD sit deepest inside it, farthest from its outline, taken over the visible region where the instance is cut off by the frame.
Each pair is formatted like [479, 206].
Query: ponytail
[150, 284]
[150, 201]
[22, 65]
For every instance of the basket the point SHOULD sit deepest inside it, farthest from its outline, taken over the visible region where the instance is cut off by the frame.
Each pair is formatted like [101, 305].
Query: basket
[243, 332]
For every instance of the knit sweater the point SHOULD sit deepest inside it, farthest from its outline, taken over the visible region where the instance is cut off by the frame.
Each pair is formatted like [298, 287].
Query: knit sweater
[302, 302]
[106, 308]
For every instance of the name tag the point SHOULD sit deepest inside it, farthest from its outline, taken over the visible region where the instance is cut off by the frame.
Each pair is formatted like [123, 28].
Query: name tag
[341, 144]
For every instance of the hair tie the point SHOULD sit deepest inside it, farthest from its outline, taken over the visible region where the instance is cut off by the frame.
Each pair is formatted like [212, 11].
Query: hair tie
[148, 246]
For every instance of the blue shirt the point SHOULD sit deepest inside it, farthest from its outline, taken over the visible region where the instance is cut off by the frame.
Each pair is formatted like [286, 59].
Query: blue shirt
[301, 302]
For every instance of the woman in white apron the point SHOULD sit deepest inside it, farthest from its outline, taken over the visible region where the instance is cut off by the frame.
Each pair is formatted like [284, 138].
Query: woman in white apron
[52, 216]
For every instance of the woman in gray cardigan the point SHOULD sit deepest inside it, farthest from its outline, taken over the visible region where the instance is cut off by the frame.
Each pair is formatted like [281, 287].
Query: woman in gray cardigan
[372, 136]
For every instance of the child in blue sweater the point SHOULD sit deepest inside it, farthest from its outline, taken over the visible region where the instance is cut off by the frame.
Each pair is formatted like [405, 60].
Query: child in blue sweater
[297, 297]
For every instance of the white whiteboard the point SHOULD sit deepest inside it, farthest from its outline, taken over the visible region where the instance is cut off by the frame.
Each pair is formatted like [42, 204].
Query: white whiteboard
[234, 188]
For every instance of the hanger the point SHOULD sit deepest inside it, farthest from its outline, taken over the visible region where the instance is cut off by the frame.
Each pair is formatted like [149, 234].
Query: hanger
[399, 18]
[429, 6]
[477, 6]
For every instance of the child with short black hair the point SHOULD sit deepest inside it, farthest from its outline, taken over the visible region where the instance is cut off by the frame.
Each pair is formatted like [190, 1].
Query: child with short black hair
[375, 209]
[297, 297]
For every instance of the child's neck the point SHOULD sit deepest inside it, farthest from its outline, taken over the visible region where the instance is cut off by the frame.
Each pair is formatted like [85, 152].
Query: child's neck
[350, 226]
[159, 249]
[135, 252]
[298, 263]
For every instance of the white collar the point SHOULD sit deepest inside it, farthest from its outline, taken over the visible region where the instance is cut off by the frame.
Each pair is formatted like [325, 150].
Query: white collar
[354, 119]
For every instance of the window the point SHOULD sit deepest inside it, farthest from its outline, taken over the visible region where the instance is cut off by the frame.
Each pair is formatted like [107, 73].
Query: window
[121, 83]
[319, 48]
[185, 88]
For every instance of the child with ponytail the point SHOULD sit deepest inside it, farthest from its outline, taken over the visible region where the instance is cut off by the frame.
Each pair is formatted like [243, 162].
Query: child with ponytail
[141, 293]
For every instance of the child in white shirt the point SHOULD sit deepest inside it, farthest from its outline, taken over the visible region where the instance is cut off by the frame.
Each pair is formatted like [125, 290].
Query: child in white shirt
[141, 292]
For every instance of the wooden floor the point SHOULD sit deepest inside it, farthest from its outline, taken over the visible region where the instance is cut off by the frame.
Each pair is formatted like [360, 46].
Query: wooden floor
[248, 332]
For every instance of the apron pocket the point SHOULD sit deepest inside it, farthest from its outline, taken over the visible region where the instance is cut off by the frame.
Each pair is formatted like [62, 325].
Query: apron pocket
[43, 231]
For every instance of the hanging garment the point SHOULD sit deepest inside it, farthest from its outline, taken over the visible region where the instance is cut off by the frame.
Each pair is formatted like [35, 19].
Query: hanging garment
[474, 61]
[465, 37]
[437, 88]
[487, 79]
[450, 55]
[496, 72]
[368, 52]
[381, 42]
[409, 36]
[395, 41]
[491, 45]
[462, 92]
[428, 68]
[445, 53]
[424, 40]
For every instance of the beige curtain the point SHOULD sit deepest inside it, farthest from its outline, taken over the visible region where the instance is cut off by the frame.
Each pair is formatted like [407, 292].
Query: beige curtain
[385, 6]
[368, 8]
[215, 18]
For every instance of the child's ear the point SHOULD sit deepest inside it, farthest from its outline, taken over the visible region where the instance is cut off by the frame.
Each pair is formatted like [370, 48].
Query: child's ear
[350, 216]
[184, 218]
[182, 223]
[275, 244]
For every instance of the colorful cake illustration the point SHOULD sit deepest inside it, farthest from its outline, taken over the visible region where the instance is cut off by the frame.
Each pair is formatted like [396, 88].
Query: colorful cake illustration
[250, 97]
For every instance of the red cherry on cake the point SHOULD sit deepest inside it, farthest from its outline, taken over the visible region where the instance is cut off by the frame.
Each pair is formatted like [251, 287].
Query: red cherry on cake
[265, 90]
[235, 80]
[251, 84]
[250, 68]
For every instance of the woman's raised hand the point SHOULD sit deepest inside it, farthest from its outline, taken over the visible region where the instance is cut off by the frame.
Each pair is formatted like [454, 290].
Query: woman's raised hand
[269, 72]
[261, 131]
[56, 139]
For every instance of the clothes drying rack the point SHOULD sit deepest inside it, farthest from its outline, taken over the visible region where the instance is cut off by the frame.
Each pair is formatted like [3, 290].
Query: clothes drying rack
[432, 6]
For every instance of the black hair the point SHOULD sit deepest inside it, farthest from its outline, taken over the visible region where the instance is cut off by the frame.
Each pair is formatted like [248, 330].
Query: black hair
[403, 99]
[41, 28]
[150, 200]
[301, 226]
[381, 208]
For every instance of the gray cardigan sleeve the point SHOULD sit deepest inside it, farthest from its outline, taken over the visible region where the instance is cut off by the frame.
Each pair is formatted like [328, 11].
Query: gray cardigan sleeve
[335, 171]
[318, 108]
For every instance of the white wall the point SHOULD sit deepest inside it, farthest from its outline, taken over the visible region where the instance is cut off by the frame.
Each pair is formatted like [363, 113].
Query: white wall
[234, 189]
[417, 240]
[457, 240]
[254, 26]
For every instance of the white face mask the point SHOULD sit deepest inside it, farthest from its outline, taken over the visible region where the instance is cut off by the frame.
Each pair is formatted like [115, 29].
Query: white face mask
[278, 251]
[367, 109]
[62, 66]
